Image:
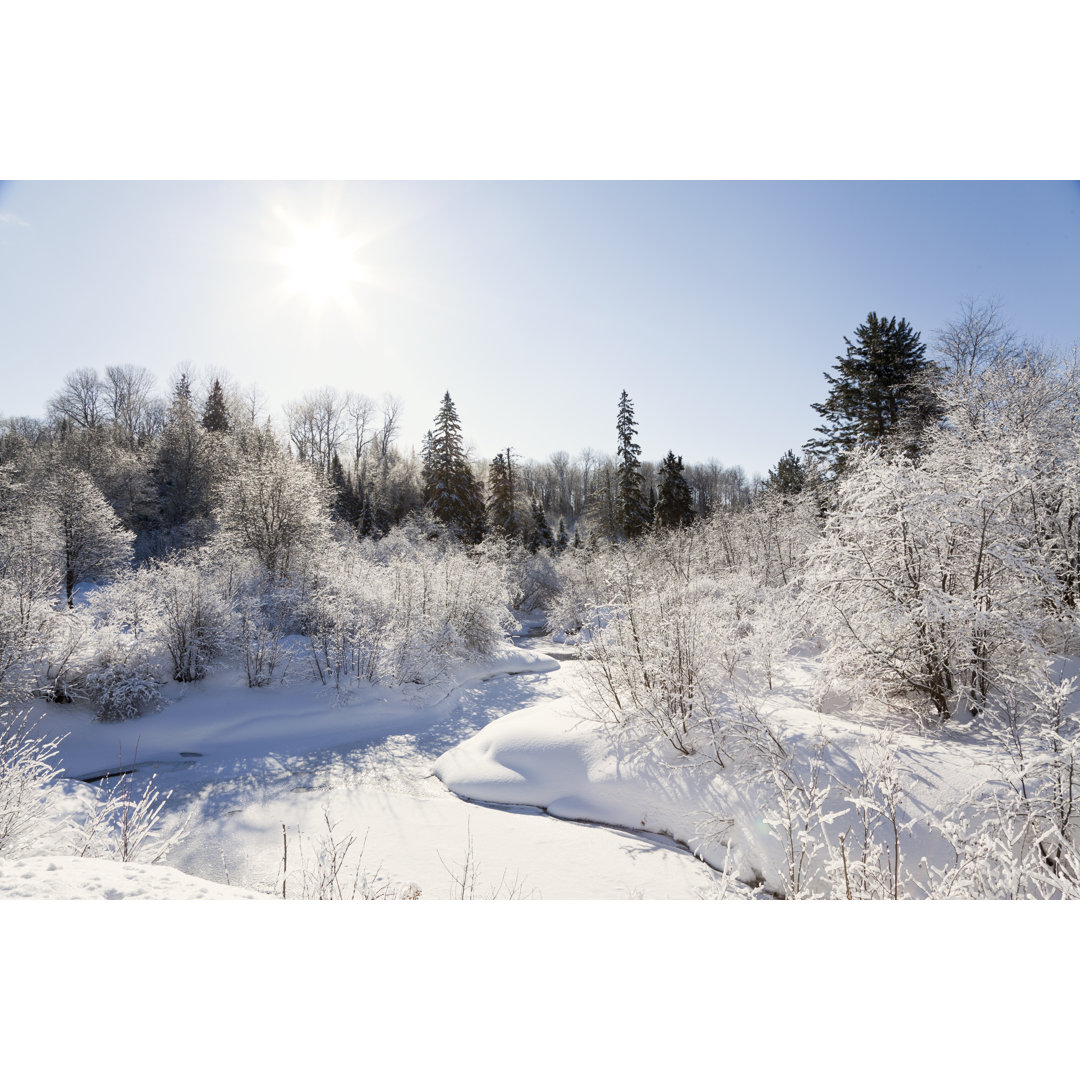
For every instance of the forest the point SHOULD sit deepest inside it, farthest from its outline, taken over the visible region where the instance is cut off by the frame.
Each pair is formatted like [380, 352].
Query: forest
[917, 560]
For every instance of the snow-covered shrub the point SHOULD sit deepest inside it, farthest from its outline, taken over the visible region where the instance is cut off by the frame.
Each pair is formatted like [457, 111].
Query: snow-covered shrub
[581, 589]
[401, 618]
[927, 583]
[121, 822]
[259, 639]
[1019, 835]
[446, 606]
[347, 613]
[62, 655]
[767, 541]
[664, 640]
[120, 669]
[26, 774]
[193, 619]
[123, 686]
[533, 580]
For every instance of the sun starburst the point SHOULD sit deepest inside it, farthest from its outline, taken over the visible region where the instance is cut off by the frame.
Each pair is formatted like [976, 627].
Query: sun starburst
[321, 264]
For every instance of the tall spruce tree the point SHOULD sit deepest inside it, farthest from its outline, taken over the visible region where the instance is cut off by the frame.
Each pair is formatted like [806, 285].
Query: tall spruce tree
[562, 541]
[451, 491]
[502, 499]
[540, 534]
[183, 470]
[674, 504]
[632, 514]
[882, 393]
[348, 503]
[215, 415]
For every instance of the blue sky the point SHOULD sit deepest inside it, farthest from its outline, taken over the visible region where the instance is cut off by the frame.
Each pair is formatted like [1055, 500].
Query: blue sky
[716, 305]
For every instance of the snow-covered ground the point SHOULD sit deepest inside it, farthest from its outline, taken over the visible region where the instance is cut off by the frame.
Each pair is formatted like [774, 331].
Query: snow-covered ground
[555, 755]
[265, 783]
[503, 787]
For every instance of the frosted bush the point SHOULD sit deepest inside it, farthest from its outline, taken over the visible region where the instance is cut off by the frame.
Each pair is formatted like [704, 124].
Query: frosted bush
[193, 619]
[27, 795]
[403, 616]
[123, 687]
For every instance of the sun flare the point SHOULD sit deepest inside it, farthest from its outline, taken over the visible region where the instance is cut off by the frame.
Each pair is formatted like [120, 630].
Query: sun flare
[321, 264]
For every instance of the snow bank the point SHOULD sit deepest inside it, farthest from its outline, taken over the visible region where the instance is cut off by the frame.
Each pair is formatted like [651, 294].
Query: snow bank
[68, 877]
[554, 757]
[222, 717]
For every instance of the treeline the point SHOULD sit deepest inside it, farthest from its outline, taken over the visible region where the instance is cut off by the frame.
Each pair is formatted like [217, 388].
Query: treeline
[159, 463]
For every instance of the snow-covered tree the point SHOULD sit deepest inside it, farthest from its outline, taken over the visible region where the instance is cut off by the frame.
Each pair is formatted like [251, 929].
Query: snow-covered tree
[632, 511]
[788, 477]
[184, 466]
[451, 491]
[540, 534]
[881, 394]
[91, 542]
[274, 508]
[502, 510]
[215, 415]
[674, 503]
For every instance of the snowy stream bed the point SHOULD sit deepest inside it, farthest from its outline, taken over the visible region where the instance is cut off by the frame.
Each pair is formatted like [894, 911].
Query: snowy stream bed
[267, 784]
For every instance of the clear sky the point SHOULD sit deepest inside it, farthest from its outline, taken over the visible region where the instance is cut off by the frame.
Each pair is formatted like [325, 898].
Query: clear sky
[715, 305]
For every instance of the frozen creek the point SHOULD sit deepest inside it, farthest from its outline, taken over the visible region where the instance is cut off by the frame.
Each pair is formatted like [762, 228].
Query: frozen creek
[409, 832]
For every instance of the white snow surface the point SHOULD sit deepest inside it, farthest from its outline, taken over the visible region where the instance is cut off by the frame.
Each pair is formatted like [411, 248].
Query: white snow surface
[69, 877]
[253, 770]
[502, 787]
[556, 755]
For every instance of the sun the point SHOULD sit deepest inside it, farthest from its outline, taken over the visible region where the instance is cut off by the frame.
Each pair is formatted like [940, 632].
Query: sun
[321, 264]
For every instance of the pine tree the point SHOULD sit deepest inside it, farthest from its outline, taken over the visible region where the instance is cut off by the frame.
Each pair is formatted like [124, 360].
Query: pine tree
[540, 535]
[882, 392]
[182, 473]
[368, 525]
[502, 502]
[451, 491]
[215, 413]
[674, 505]
[632, 512]
[347, 504]
[788, 477]
[562, 541]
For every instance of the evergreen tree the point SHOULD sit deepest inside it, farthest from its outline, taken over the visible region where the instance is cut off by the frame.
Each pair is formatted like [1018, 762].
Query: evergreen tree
[788, 477]
[215, 415]
[451, 491]
[347, 504]
[540, 535]
[882, 392]
[368, 525]
[182, 472]
[674, 505]
[562, 541]
[631, 512]
[502, 502]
